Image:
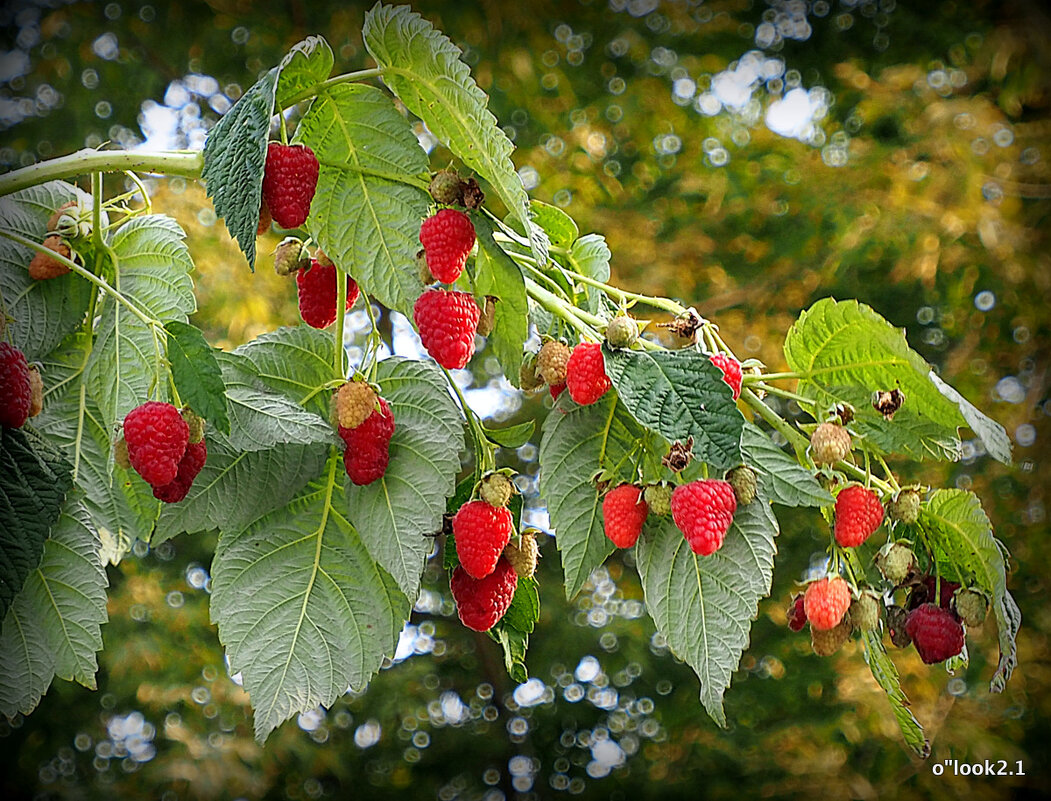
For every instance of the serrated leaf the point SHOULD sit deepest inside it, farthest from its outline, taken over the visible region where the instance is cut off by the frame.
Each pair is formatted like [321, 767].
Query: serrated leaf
[292, 361]
[680, 394]
[590, 256]
[524, 611]
[302, 609]
[886, 675]
[511, 436]
[514, 644]
[365, 214]
[992, 434]
[42, 313]
[577, 442]
[423, 68]
[704, 605]
[53, 626]
[306, 65]
[781, 478]
[234, 159]
[498, 275]
[196, 374]
[561, 229]
[962, 537]
[34, 480]
[398, 514]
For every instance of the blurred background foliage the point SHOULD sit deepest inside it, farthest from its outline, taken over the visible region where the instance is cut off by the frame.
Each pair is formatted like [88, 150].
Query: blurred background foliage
[916, 179]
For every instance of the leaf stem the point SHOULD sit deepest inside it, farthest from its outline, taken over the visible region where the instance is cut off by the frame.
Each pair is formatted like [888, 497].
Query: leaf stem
[764, 377]
[184, 163]
[341, 316]
[347, 77]
[798, 441]
[483, 452]
[578, 319]
[782, 393]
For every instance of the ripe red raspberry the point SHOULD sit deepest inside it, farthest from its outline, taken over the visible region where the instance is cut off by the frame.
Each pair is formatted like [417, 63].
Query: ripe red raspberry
[317, 294]
[368, 446]
[731, 371]
[796, 614]
[703, 511]
[43, 267]
[935, 632]
[829, 444]
[16, 390]
[556, 390]
[482, 531]
[157, 437]
[447, 237]
[447, 322]
[826, 601]
[480, 603]
[189, 466]
[289, 181]
[858, 513]
[586, 377]
[623, 513]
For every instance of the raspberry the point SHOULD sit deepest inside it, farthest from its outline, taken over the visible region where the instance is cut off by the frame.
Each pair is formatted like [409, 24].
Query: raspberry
[482, 531]
[864, 612]
[368, 446]
[59, 221]
[36, 391]
[157, 437]
[523, 557]
[745, 483]
[496, 489]
[354, 402]
[827, 642]
[551, 362]
[924, 592]
[317, 294]
[289, 181]
[556, 390]
[826, 601]
[658, 496]
[896, 617]
[43, 267]
[895, 561]
[623, 513]
[447, 238]
[858, 513]
[622, 331]
[731, 371]
[189, 466]
[445, 188]
[796, 614]
[830, 443]
[447, 322]
[935, 632]
[290, 256]
[480, 603]
[905, 507]
[586, 377]
[16, 389]
[971, 606]
[703, 511]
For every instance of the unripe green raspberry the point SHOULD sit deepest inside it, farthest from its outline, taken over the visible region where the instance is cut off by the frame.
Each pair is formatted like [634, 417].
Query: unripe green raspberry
[445, 187]
[895, 561]
[971, 606]
[194, 423]
[551, 362]
[744, 482]
[290, 256]
[622, 331]
[658, 496]
[827, 642]
[496, 489]
[523, 557]
[829, 444]
[905, 507]
[864, 611]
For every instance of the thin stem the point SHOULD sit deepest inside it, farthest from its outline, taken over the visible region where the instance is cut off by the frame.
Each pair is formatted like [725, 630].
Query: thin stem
[578, 319]
[284, 128]
[187, 164]
[375, 341]
[483, 454]
[751, 379]
[887, 472]
[799, 442]
[135, 179]
[341, 315]
[317, 89]
[319, 389]
[621, 295]
[782, 393]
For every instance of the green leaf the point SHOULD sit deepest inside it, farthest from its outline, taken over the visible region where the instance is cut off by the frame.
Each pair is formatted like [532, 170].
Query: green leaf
[886, 675]
[196, 374]
[577, 442]
[34, 480]
[962, 537]
[398, 515]
[366, 213]
[561, 229]
[53, 626]
[294, 362]
[524, 611]
[704, 605]
[590, 256]
[992, 434]
[498, 275]
[680, 394]
[514, 644]
[302, 609]
[511, 436]
[423, 68]
[43, 312]
[234, 159]
[781, 478]
[306, 65]
[153, 272]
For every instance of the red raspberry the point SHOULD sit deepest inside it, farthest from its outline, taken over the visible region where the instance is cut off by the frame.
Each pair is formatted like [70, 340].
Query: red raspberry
[16, 389]
[317, 294]
[826, 601]
[935, 632]
[924, 593]
[731, 371]
[368, 446]
[586, 377]
[482, 532]
[189, 466]
[289, 181]
[447, 237]
[447, 322]
[556, 390]
[703, 511]
[858, 513]
[796, 614]
[482, 602]
[43, 267]
[157, 437]
[623, 513]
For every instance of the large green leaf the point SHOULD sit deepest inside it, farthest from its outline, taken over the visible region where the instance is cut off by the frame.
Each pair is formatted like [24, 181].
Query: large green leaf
[886, 675]
[704, 605]
[306, 65]
[561, 229]
[196, 373]
[365, 214]
[423, 68]
[681, 394]
[962, 537]
[496, 274]
[292, 361]
[303, 610]
[53, 626]
[398, 515]
[781, 478]
[845, 351]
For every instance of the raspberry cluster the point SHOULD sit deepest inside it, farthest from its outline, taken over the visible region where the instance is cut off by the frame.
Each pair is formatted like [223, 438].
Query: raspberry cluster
[158, 442]
[367, 451]
[481, 602]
